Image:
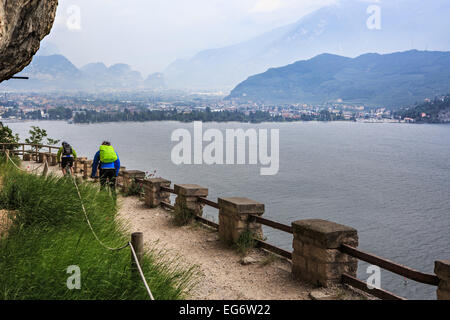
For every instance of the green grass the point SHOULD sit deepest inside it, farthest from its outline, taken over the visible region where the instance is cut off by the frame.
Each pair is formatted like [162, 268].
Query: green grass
[50, 234]
[245, 243]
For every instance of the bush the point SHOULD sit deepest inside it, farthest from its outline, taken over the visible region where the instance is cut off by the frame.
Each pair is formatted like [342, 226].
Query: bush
[245, 242]
[7, 136]
[135, 189]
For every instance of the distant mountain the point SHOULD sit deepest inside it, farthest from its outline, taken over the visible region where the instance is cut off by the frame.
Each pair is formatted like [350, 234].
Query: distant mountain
[116, 76]
[52, 72]
[155, 81]
[338, 29]
[389, 80]
[56, 72]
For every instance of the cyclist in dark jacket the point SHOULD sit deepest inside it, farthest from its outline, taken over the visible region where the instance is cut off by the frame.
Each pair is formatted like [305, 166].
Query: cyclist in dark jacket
[66, 156]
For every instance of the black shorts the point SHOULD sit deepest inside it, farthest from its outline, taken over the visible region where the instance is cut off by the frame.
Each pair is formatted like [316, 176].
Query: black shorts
[67, 162]
[108, 177]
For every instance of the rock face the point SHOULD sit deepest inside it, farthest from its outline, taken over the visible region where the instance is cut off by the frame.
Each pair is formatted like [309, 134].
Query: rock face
[23, 24]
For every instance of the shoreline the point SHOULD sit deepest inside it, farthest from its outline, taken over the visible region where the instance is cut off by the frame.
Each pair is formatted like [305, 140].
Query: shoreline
[6, 121]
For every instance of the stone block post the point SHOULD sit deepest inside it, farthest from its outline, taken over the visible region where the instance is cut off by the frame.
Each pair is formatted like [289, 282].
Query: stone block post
[89, 167]
[79, 164]
[41, 157]
[316, 258]
[53, 161]
[120, 177]
[234, 218]
[85, 169]
[187, 205]
[153, 194]
[129, 176]
[442, 270]
[26, 156]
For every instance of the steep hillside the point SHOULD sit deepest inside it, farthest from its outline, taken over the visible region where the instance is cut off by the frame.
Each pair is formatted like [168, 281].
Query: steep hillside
[389, 80]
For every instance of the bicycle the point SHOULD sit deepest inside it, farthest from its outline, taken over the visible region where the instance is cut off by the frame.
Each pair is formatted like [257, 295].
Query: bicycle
[66, 169]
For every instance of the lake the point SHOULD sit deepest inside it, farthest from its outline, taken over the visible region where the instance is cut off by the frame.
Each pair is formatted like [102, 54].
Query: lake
[389, 181]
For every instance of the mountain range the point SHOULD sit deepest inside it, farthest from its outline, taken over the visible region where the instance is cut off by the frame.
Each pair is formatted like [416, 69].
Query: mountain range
[340, 29]
[56, 72]
[389, 80]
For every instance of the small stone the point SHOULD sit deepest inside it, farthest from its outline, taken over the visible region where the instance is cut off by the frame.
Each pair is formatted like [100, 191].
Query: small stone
[320, 295]
[247, 261]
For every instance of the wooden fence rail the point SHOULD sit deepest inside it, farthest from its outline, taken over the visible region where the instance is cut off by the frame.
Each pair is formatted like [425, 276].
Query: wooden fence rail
[376, 292]
[394, 267]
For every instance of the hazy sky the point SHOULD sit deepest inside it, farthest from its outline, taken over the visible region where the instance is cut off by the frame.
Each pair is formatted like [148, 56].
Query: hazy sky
[150, 34]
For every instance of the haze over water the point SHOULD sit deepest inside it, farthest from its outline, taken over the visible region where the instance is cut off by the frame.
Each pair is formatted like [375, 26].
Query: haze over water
[389, 181]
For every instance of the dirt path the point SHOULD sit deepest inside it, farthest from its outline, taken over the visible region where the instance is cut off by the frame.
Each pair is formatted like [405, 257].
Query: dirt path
[222, 274]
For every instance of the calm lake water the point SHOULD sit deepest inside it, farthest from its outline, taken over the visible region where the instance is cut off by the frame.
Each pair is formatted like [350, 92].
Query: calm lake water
[389, 181]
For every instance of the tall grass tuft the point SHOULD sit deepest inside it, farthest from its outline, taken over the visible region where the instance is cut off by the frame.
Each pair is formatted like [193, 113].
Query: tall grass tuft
[50, 233]
[245, 242]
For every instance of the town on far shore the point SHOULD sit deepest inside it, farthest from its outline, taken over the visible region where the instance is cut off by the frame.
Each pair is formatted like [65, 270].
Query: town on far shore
[139, 106]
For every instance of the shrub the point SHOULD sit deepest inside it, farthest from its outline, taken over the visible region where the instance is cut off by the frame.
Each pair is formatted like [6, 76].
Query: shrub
[135, 189]
[245, 242]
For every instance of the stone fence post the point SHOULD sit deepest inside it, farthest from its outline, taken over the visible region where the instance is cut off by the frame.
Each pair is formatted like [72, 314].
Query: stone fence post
[187, 205]
[129, 176]
[442, 270]
[234, 218]
[40, 157]
[26, 156]
[153, 194]
[53, 160]
[89, 168]
[85, 169]
[76, 166]
[79, 164]
[316, 258]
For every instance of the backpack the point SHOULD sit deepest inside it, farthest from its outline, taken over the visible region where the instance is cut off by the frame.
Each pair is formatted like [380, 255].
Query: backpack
[67, 149]
[107, 154]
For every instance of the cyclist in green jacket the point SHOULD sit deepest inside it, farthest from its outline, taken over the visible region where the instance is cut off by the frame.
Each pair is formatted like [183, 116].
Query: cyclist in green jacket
[107, 160]
[66, 156]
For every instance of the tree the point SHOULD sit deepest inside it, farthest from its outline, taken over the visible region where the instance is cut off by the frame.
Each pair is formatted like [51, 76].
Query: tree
[37, 136]
[7, 136]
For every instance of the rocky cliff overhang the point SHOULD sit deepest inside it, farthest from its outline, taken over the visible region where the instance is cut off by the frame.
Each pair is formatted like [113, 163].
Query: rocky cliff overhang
[23, 24]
